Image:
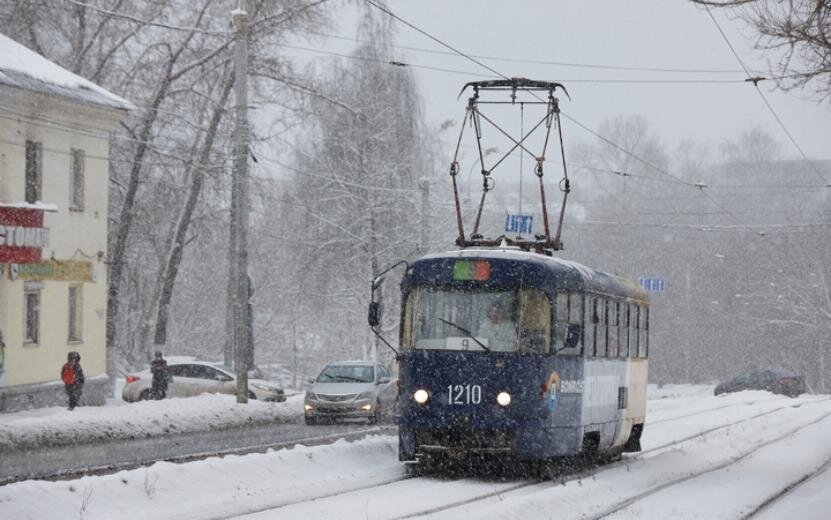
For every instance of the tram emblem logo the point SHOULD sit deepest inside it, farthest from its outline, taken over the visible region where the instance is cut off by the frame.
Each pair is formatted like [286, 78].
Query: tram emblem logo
[552, 390]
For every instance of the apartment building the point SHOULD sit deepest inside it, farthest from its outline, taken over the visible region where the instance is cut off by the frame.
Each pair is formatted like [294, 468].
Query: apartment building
[54, 174]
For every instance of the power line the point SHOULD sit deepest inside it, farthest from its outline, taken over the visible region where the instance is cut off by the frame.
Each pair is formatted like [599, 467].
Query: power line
[606, 140]
[599, 81]
[627, 152]
[443, 44]
[611, 143]
[141, 21]
[762, 95]
[385, 62]
[541, 62]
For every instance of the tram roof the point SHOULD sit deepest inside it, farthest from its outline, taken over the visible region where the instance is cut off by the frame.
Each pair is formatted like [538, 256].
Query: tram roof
[573, 273]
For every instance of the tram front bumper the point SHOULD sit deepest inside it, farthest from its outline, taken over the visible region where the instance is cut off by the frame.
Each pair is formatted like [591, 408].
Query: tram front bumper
[457, 441]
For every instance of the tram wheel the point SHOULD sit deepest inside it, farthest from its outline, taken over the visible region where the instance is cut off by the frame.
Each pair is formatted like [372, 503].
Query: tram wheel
[589, 454]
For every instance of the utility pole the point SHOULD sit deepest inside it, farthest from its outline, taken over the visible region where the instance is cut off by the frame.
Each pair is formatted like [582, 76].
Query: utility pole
[238, 293]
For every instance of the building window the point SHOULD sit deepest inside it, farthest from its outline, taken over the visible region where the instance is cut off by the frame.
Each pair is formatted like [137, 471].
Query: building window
[76, 188]
[76, 313]
[34, 171]
[31, 312]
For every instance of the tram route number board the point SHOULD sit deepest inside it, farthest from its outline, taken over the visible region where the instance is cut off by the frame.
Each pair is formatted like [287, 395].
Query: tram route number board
[517, 223]
[653, 284]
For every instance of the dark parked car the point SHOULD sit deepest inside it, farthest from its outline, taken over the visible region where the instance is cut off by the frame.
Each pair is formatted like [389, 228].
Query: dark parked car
[774, 380]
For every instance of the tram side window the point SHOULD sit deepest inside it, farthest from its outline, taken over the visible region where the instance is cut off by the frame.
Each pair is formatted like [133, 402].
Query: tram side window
[643, 345]
[569, 323]
[535, 322]
[614, 327]
[624, 331]
[638, 323]
[591, 325]
[602, 329]
[625, 348]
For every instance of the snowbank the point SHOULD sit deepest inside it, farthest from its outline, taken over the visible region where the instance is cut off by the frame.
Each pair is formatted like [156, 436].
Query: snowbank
[59, 427]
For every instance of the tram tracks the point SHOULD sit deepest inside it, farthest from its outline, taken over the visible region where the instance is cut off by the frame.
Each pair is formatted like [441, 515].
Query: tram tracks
[623, 504]
[787, 490]
[713, 409]
[530, 486]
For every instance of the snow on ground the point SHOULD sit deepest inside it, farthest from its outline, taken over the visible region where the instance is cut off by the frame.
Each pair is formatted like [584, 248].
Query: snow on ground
[755, 444]
[59, 426]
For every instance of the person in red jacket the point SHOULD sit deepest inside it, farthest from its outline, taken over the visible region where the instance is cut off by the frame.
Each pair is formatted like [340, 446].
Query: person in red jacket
[72, 376]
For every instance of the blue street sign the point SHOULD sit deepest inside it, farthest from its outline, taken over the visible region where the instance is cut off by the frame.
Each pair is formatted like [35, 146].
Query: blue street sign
[518, 223]
[653, 284]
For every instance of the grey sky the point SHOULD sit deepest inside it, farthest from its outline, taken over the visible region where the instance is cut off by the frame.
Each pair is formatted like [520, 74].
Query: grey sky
[635, 33]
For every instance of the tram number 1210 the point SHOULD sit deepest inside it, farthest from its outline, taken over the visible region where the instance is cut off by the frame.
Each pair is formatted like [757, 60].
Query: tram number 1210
[464, 394]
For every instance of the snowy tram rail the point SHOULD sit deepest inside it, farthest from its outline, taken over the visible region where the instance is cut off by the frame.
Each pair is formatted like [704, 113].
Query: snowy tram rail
[705, 457]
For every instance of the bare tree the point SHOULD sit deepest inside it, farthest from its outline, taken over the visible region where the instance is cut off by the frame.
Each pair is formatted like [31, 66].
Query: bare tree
[356, 193]
[168, 58]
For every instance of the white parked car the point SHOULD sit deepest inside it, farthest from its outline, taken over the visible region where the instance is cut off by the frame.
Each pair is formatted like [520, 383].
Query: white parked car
[351, 389]
[197, 377]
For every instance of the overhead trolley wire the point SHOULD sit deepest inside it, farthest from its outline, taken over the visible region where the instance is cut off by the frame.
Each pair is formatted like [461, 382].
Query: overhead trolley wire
[386, 62]
[469, 57]
[606, 140]
[440, 42]
[755, 82]
[622, 81]
[541, 62]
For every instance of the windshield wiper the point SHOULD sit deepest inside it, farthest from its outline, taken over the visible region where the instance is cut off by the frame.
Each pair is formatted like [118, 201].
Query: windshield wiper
[467, 333]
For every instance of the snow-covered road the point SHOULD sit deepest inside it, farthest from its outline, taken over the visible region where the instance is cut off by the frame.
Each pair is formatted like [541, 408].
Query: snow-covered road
[745, 455]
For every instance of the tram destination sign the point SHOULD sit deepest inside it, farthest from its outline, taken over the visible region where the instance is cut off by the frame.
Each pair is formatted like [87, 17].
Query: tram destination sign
[518, 223]
[653, 284]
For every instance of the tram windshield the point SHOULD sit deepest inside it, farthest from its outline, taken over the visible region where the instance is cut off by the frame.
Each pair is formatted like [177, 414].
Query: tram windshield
[516, 320]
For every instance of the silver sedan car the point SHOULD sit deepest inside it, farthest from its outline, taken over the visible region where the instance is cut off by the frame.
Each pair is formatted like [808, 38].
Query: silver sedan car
[351, 389]
[194, 378]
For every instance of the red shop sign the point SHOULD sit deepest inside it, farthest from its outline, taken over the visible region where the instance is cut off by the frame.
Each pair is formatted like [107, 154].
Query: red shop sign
[22, 235]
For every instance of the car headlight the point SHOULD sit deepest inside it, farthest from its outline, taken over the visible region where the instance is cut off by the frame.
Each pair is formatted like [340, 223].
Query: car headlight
[503, 398]
[421, 396]
[366, 395]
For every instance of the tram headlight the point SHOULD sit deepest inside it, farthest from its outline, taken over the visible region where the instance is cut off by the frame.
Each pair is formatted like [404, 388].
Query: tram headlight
[421, 396]
[503, 398]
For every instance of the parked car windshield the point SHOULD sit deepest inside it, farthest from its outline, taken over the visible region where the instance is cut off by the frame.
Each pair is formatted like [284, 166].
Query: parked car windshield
[347, 374]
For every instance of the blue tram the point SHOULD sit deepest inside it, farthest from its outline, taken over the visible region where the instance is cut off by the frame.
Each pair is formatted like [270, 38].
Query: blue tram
[509, 352]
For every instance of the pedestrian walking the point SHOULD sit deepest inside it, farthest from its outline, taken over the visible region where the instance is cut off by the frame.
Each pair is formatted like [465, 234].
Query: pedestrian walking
[161, 376]
[72, 376]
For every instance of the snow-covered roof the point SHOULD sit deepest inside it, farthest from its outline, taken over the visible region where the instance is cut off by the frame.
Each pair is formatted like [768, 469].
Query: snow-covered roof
[23, 68]
[42, 206]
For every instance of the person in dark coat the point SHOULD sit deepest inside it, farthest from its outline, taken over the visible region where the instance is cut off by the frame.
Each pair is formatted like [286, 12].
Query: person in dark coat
[161, 376]
[72, 376]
